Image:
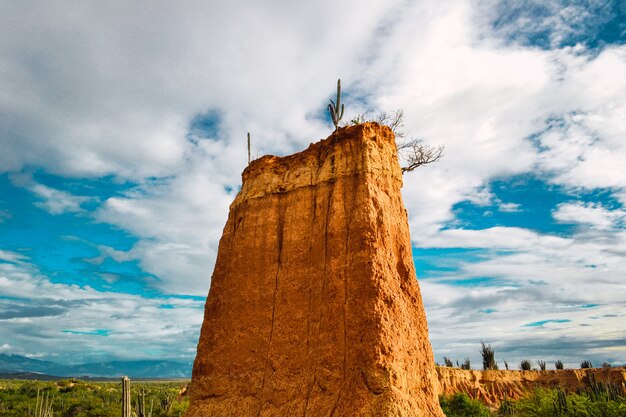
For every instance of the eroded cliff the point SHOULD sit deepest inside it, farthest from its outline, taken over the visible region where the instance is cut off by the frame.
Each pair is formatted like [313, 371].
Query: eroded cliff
[314, 307]
[491, 387]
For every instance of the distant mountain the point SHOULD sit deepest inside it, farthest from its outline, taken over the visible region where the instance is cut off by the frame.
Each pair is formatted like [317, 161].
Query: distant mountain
[29, 376]
[10, 364]
[17, 363]
[134, 369]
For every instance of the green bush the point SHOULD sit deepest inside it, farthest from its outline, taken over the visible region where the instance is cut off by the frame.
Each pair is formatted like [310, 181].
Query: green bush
[556, 403]
[75, 398]
[461, 405]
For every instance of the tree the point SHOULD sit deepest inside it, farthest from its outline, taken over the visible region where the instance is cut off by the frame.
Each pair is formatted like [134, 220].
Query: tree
[417, 154]
[489, 361]
[525, 365]
[414, 151]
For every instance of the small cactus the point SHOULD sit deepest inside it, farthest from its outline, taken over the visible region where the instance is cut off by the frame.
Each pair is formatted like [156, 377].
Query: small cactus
[248, 148]
[333, 107]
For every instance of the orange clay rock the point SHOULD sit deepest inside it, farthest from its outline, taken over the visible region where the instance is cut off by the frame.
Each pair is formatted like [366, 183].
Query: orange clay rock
[314, 308]
[491, 387]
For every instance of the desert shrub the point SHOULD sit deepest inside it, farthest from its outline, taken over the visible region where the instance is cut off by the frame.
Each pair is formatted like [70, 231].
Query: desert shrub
[506, 365]
[586, 364]
[506, 408]
[75, 398]
[558, 364]
[489, 359]
[604, 390]
[467, 365]
[461, 405]
[448, 362]
[525, 365]
[556, 403]
[606, 365]
[542, 365]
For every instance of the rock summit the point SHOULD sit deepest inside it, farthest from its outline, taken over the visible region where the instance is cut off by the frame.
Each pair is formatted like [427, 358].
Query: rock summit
[314, 307]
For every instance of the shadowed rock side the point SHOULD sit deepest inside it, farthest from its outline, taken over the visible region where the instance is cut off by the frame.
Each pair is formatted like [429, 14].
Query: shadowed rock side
[491, 387]
[314, 308]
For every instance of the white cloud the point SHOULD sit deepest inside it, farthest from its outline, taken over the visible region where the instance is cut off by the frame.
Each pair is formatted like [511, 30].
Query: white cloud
[12, 257]
[119, 97]
[592, 214]
[509, 207]
[52, 200]
[137, 327]
[96, 89]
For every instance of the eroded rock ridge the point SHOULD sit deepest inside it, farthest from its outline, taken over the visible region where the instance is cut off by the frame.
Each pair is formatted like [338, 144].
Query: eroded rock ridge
[491, 387]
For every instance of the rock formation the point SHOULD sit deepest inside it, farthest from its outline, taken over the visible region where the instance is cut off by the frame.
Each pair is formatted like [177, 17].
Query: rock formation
[491, 387]
[314, 308]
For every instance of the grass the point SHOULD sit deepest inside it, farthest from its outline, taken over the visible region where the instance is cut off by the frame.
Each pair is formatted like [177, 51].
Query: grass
[75, 398]
[599, 400]
[556, 403]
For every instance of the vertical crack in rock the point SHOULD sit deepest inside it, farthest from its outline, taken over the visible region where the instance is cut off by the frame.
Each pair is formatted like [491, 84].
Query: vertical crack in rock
[279, 243]
[314, 308]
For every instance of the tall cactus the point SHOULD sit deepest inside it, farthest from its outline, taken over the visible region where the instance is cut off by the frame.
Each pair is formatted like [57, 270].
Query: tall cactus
[126, 410]
[333, 108]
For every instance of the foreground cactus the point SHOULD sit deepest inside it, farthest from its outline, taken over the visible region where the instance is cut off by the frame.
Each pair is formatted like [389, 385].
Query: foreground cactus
[333, 108]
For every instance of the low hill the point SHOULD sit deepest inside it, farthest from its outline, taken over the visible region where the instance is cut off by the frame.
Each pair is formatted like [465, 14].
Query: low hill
[15, 364]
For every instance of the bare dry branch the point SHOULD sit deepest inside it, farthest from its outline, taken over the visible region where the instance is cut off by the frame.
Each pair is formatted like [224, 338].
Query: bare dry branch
[416, 153]
[413, 151]
[394, 120]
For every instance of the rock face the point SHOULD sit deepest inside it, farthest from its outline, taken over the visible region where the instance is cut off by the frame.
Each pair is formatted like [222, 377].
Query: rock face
[314, 308]
[492, 386]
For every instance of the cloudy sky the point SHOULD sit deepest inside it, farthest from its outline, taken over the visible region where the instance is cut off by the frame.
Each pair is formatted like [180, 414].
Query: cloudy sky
[122, 140]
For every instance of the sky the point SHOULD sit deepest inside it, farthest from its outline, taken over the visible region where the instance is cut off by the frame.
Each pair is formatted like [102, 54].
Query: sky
[123, 137]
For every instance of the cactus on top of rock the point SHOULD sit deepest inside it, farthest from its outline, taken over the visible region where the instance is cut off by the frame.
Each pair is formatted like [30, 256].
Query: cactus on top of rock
[334, 108]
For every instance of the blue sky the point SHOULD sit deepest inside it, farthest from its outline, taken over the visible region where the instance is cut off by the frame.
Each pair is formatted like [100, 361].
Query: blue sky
[122, 140]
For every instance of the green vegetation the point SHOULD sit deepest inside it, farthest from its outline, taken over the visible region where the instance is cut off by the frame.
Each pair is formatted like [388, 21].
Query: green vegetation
[586, 365]
[489, 358]
[599, 400]
[75, 398]
[461, 405]
[556, 403]
[334, 108]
